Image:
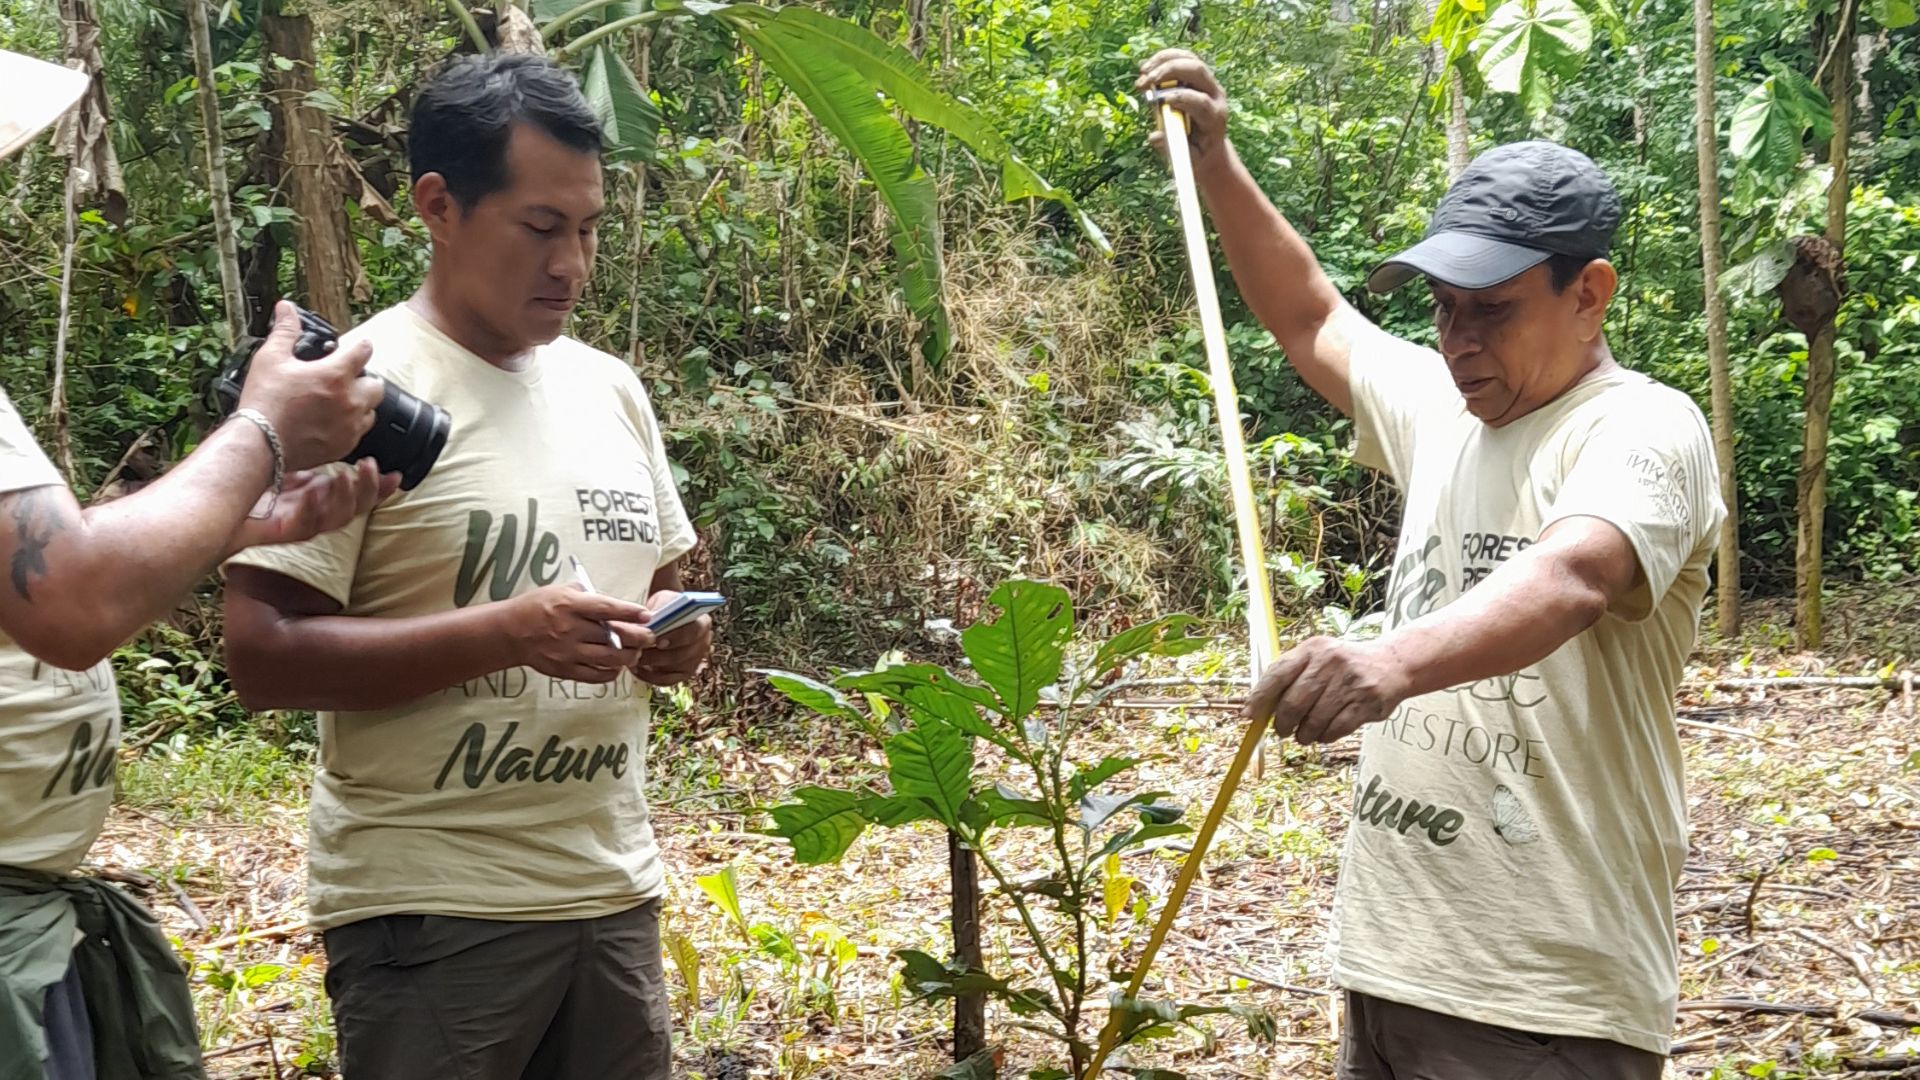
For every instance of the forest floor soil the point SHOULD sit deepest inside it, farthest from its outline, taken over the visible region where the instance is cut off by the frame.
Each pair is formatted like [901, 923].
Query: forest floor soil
[1798, 910]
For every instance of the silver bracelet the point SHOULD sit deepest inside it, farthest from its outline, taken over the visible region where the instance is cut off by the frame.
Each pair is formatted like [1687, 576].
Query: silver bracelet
[259, 420]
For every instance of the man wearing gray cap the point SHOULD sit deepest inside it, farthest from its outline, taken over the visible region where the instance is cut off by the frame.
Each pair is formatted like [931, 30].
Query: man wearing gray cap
[89, 987]
[1505, 904]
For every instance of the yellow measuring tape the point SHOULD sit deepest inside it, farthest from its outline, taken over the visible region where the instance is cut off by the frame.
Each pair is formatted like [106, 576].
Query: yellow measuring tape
[1263, 632]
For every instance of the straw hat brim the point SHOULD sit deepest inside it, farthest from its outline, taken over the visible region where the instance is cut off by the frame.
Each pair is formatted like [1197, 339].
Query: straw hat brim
[38, 93]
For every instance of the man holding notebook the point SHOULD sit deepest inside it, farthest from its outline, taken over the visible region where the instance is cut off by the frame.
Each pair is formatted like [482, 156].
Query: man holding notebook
[482, 862]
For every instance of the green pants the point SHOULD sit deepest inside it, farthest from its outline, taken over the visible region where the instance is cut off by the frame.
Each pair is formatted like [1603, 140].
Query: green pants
[430, 996]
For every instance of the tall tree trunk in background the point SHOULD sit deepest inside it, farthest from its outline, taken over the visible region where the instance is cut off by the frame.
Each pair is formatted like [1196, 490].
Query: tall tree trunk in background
[1820, 354]
[92, 173]
[216, 149]
[1707, 143]
[1459, 148]
[327, 262]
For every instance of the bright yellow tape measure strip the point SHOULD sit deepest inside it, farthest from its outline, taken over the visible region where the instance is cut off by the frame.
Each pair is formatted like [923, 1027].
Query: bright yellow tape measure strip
[1263, 631]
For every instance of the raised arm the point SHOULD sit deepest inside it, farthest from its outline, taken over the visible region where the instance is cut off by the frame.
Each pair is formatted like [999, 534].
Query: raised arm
[1272, 266]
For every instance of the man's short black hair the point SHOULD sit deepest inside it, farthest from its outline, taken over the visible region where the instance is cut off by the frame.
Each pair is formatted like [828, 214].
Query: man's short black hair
[464, 114]
[1562, 270]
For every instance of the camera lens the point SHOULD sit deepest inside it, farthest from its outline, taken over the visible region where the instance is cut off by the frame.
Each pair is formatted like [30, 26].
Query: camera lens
[406, 437]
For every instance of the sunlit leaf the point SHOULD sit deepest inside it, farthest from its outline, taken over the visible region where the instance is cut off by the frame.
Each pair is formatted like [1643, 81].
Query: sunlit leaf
[1019, 651]
[821, 825]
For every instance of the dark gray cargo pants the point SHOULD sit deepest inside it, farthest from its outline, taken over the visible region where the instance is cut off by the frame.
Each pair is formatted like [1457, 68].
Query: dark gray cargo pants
[1384, 1040]
[426, 997]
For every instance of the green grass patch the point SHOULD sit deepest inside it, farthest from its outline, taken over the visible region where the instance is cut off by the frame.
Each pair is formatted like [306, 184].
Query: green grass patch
[233, 774]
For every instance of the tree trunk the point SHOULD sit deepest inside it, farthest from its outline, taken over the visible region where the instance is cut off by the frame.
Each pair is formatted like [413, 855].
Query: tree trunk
[969, 1010]
[215, 146]
[325, 257]
[1820, 359]
[1459, 147]
[1707, 143]
[83, 134]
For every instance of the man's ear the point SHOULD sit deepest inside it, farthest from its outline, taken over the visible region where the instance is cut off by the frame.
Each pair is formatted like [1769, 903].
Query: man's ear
[435, 205]
[1594, 291]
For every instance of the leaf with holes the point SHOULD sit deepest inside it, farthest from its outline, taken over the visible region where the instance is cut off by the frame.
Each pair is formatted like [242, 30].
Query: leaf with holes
[1020, 652]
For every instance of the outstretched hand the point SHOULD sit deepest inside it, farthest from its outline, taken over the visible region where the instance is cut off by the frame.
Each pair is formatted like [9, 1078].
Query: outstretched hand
[1325, 689]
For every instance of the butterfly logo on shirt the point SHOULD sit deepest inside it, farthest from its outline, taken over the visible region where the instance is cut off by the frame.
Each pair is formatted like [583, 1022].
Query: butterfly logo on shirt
[1510, 818]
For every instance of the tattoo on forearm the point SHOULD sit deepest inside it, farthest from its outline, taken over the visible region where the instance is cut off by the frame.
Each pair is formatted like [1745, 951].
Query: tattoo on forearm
[35, 521]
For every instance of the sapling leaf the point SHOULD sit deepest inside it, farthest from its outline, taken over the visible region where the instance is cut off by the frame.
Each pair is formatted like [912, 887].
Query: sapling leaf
[1009, 808]
[1109, 768]
[821, 825]
[1096, 810]
[812, 694]
[933, 762]
[723, 888]
[1021, 650]
[893, 811]
[1165, 636]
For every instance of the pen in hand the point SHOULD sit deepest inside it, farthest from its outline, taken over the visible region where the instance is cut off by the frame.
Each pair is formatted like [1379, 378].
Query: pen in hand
[580, 575]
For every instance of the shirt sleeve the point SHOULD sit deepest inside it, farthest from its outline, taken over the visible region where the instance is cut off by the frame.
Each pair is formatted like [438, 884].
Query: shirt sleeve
[1394, 382]
[676, 530]
[327, 562]
[23, 464]
[1650, 472]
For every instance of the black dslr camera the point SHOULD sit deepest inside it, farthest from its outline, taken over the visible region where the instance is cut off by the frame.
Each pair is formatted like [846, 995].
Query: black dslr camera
[407, 434]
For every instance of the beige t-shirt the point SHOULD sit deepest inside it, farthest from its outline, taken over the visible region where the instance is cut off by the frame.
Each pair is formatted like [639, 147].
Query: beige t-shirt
[1516, 842]
[59, 730]
[516, 795]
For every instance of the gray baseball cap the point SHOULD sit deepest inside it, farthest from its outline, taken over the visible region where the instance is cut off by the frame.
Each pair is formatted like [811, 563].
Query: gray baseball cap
[1513, 208]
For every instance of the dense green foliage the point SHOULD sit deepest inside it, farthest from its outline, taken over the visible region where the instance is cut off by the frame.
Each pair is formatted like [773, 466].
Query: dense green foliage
[850, 491]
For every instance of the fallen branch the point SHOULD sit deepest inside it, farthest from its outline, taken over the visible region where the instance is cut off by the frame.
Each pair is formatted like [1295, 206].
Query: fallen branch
[227, 1051]
[265, 933]
[1906, 1066]
[1792, 1008]
[1852, 961]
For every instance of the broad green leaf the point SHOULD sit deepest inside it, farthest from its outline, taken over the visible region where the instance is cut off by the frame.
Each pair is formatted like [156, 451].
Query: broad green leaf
[934, 763]
[1084, 782]
[686, 958]
[723, 888]
[545, 11]
[842, 99]
[822, 825]
[628, 118]
[1525, 41]
[1770, 124]
[932, 690]
[811, 694]
[893, 811]
[1020, 651]
[1007, 807]
[1097, 810]
[1135, 837]
[895, 73]
[1165, 636]
[922, 970]
[1893, 14]
[1760, 274]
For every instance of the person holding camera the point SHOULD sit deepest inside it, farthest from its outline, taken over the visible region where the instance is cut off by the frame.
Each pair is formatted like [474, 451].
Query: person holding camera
[1505, 902]
[482, 863]
[88, 984]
